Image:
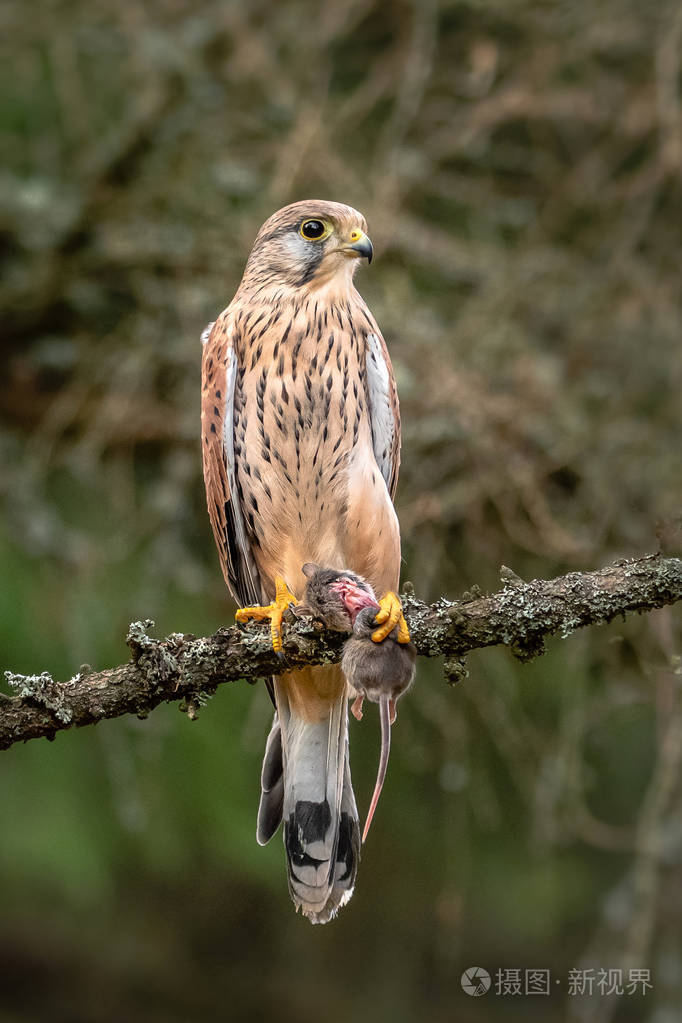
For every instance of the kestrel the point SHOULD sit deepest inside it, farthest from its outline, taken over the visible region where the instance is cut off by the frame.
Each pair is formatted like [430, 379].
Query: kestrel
[301, 449]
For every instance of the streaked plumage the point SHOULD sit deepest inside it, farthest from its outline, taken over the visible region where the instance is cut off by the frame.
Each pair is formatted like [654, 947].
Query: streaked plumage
[301, 441]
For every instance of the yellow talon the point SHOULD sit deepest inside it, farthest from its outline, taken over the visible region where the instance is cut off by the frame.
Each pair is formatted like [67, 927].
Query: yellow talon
[274, 612]
[403, 631]
[390, 615]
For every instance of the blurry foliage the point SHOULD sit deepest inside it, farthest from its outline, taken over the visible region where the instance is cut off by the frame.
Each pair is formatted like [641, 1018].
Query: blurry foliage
[519, 164]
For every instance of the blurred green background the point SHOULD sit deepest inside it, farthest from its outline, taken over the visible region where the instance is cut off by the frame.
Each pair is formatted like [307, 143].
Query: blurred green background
[519, 165]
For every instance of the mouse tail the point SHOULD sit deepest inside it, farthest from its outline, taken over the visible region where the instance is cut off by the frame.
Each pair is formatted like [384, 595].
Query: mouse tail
[386, 717]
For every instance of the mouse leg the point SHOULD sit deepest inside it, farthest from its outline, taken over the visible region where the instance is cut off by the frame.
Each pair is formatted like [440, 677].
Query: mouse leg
[392, 712]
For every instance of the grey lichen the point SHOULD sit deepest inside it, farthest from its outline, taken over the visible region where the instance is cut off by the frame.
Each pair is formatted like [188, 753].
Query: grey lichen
[192, 704]
[569, 627]
[454, 670]
[138, 638]
[156, 661]
[182, 667]
[43, 689]
[509, 578]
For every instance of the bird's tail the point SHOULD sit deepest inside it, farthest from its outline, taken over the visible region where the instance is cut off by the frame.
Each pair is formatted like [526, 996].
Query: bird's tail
[306, 782]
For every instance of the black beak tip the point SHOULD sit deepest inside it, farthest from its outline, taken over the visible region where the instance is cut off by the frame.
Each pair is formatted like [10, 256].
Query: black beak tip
[364, 248]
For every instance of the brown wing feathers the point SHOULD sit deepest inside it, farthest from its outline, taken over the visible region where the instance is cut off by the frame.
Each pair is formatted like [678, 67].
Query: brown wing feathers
[217, 411]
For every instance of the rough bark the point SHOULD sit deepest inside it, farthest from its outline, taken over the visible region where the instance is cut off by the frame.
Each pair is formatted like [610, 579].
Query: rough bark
[185, 668]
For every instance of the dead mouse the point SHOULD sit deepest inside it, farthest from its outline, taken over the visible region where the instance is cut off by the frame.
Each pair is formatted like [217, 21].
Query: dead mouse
[380, 672]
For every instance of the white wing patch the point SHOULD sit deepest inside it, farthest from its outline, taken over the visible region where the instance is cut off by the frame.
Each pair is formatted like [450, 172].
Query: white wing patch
[381, 412]
[206, 332]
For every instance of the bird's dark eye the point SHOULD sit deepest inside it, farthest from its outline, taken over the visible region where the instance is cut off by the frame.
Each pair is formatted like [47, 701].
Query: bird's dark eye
[313, 230]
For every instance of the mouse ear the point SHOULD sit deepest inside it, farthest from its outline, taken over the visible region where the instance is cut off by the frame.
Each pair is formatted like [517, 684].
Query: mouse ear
[309, 569]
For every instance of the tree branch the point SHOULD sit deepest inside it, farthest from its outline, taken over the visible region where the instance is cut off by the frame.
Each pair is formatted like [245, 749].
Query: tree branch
[185, 668]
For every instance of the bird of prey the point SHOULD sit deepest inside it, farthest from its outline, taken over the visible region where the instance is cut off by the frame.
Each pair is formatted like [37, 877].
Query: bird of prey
[301, 449]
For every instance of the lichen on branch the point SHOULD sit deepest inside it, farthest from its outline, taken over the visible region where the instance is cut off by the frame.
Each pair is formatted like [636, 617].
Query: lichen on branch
[183, 668]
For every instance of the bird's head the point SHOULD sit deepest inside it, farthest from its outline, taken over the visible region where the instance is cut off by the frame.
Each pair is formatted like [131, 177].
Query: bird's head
[310, 243]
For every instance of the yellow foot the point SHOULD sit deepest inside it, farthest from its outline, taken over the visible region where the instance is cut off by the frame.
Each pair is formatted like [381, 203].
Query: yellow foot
[390, 615]
[274, 612]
